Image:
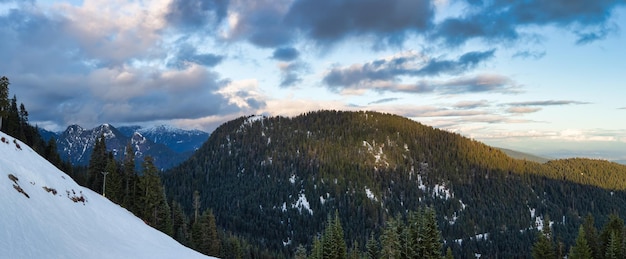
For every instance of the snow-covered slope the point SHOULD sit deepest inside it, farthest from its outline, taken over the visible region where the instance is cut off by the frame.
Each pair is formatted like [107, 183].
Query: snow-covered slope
[45, 214]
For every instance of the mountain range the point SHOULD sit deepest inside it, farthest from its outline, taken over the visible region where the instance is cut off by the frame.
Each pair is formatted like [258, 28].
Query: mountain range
[276, 180]
[45, 214]
[167, 145]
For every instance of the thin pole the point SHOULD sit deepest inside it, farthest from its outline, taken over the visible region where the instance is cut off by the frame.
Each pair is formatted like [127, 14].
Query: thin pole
[104, 183]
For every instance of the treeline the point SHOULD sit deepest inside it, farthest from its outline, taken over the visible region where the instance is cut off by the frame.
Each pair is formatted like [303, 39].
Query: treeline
[14, 122]
[414, 236]
[141, 192]
[607, 244]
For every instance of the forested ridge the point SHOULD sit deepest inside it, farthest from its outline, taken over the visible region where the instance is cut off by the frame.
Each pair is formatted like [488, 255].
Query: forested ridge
[274, 181]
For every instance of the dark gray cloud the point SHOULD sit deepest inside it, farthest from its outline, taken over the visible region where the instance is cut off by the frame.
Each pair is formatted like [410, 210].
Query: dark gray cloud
[262, 23]
[275, 23]
[189, 54]
[465, 62]
[384, 100]
[478, 84]
[197, 14]
[546, 103]
[290, 73]
[328, 21]
[502, 19]
[285, 54]
[407, 64]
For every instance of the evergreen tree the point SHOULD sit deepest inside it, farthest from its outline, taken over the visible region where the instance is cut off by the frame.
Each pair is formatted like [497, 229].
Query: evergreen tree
[130, 179]
[612, 237]
[449, 254]
[97, 165]
[113, 182]
[414, 244]
[204, 235]
[543, 248]
[591, 236]
[354, 251]
[51, 154]
[300, 252]
[431, 237]
[179, 224]
[334, 244]
[581, 249]
[4, 100]
[154, 208]
[373, 250]
[231, 247]
[390, 241]
[12, 123]
[613, 247]
[317, 250]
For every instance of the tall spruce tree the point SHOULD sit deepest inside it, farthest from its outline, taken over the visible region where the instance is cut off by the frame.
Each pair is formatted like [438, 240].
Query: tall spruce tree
[581, 249]
[204, 235]
[97, 165]
[431, 237]
[612, 237]
[114, 182]
[543, 248]
[4, 100]
[591, 236]
[334, 244]
[300, 252]
[179, 224]
[373, 249]
[153, 204]
[51, 154]
[390, 241]
[12, 122]
[129, 199]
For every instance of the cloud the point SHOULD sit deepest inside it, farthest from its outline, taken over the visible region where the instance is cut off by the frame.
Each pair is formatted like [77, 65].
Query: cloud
[196, 14]
[622, 108]
[260, 22]
[188, 54]
[471, 104]
[546, 103]
[522, 109]
[290, 73]
[285, 54]
[382, 74]
[529, 54]
[107, 36]
[502, 20]
[390, 21]
[589, 36]
[426, 111]
[478, 84]
[384, 100]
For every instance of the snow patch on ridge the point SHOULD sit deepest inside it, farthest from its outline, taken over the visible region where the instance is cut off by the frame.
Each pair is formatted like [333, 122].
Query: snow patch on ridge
[302, 204]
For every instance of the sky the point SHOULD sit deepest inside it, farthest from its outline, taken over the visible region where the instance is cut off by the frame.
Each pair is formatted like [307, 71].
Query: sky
[545, 77]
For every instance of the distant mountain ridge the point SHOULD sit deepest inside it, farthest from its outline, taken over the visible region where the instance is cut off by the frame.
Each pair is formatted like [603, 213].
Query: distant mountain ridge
[167, 145]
